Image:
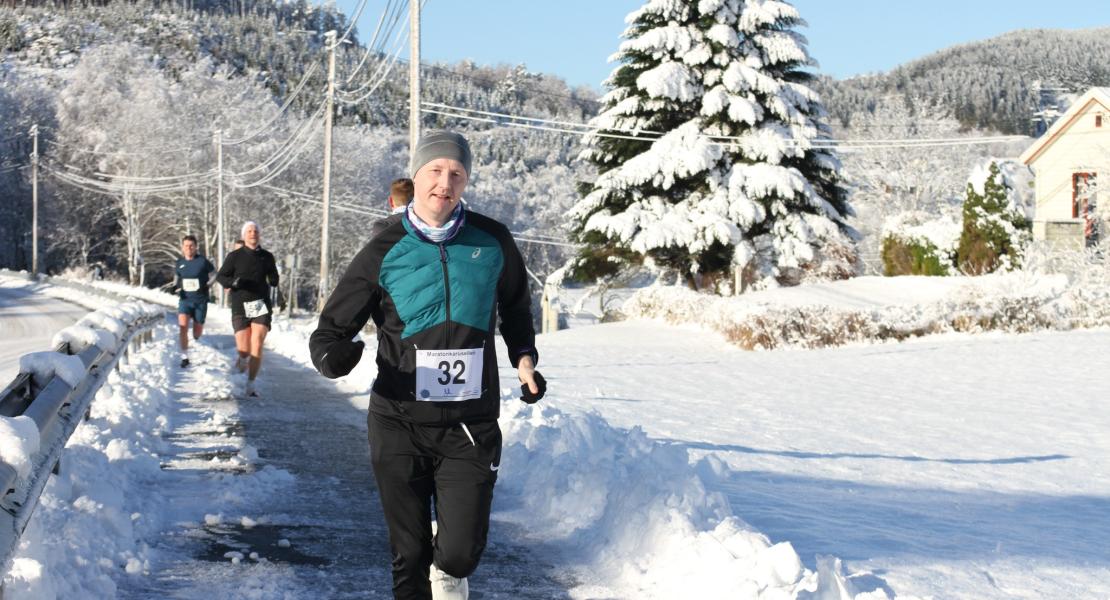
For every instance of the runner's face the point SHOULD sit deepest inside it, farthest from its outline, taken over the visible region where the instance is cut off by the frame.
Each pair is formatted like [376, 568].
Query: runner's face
[439, 188]
[189, 249]
[251, 236]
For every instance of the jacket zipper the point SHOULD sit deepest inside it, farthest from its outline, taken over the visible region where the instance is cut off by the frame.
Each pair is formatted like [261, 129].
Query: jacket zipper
[446, 296]
[447, 323]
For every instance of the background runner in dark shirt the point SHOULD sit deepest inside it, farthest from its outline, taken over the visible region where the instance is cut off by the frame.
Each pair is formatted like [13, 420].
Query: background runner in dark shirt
[191, 274]
[249, 272]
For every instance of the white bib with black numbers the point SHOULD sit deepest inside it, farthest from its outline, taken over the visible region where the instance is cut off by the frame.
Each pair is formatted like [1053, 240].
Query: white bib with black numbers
[190, 285]
[449, 375]
[255, 308]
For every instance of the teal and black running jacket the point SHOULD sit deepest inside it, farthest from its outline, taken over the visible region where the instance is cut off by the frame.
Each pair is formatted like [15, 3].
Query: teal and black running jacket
[424, 295]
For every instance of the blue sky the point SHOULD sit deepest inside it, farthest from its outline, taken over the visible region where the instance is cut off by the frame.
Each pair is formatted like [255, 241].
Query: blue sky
[573, 38]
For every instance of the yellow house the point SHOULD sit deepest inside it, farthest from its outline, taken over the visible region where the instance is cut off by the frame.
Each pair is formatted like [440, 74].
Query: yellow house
[1068, 161]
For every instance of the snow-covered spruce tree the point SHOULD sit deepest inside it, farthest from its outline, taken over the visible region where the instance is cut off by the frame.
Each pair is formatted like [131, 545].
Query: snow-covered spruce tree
[734, 181]
[996, 226]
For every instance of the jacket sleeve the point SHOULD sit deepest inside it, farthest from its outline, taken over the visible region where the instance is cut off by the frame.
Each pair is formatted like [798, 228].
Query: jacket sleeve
[514, 304]
[210, 273]
[347, 310]
[226, 276]
[272, 277]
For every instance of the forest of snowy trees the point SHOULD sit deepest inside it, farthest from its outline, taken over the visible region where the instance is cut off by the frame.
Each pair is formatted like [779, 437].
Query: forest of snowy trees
[987, 85]
[127, 98]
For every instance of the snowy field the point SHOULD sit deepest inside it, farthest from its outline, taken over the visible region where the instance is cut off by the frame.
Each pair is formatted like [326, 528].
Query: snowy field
[664, 463]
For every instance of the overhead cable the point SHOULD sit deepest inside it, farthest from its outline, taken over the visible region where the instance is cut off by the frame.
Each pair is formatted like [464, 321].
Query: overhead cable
[288, 102]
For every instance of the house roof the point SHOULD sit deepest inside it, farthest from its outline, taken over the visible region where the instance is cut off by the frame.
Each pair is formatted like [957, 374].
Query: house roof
[1097, 95]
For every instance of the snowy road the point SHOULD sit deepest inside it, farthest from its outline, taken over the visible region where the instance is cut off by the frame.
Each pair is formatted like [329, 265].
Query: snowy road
[293, 466]
[28, 321]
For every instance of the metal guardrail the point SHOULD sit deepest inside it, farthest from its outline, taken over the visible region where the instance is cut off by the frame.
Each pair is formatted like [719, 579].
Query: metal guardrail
[56, 408]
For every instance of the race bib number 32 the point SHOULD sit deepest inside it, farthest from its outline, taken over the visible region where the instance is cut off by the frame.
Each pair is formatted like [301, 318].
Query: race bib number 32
[448, 375]
[190, 285]
[255, 308]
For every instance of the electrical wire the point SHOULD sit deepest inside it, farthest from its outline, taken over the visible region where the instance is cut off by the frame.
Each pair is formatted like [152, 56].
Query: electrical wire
[813, 144]
[350, 26]
[105, 187]
[130, 180]
[281, 111]
[332, 204]
[170, 178]
[382, 213]
[374, 44]
[278, 170]
[140, 152]
[378, 77]
[817, 142]
[284, 149]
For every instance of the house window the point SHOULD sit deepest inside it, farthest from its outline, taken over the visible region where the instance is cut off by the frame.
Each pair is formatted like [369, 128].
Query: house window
[1082, 193]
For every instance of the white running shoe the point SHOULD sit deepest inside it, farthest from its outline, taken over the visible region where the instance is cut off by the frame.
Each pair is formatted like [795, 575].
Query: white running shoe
[446, 587]
[249, 390]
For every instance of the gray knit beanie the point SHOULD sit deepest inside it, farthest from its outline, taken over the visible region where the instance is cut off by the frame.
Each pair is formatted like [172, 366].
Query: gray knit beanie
[437, 143]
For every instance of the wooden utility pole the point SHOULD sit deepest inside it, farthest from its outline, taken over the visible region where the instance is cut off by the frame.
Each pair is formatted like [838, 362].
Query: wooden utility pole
[220, 248]
[414, 78]
[324, 227]
[35, 200]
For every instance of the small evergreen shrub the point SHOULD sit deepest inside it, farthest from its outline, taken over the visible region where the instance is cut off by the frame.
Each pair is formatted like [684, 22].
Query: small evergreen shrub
[995, 229]
[912, 257]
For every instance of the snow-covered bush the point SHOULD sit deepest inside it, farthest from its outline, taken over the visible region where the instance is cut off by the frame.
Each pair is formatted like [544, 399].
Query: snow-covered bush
[997, 217]
[709, 151]
[1016, 302]
[917, 243]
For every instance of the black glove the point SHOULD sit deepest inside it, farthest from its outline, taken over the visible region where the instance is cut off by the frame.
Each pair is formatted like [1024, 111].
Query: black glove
[526, 395]
[342, 357]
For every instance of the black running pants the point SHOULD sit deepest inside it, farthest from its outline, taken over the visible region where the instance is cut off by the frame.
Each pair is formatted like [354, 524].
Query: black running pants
[420, 466]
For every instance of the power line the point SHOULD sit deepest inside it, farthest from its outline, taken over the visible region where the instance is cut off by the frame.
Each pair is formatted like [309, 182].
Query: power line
[132, 179]
[283, 150]
[510, 120]
[817, 142]
[107, 187]
[520, 237]
[350, 26]
[375, 78]
[146, 152]
[137, 179]
[393, 13]
[289, 158]
[281, 111]
[387, 63]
